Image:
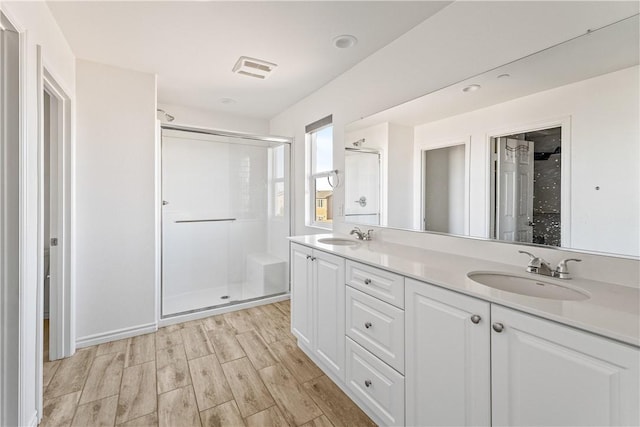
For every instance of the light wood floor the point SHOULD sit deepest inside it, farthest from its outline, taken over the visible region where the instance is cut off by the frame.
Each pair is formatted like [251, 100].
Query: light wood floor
[236, 369]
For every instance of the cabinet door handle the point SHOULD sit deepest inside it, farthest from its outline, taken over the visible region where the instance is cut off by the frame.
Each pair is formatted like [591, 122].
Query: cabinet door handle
[368, 325]
[313, 258]
[367, 281]
[308, 256]
[498, 327]
[476, 319]
[367, 383]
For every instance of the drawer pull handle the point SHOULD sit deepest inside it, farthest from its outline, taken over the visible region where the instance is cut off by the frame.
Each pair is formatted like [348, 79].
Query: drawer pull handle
[367, 383]
[313, 258]
[368, 325]
[476, 319]
[308, 256]
[498, 327]
[367, 281]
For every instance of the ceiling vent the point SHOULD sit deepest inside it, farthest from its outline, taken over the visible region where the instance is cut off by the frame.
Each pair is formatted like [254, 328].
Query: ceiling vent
[253, 67]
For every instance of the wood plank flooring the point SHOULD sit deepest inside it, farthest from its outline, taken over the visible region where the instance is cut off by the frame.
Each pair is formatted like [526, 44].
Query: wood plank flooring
[236, 369]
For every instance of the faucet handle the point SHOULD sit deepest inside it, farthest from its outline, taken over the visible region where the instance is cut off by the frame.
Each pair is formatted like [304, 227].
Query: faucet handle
[534, 261]
[562, 272]
[537, 264]
[531, 256]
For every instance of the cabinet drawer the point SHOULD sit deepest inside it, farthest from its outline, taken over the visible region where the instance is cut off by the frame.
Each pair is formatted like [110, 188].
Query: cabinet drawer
[378, 385]
[379, 283]
[377, 326]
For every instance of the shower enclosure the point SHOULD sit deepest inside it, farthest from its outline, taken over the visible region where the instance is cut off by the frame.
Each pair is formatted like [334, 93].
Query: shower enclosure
[225, 218]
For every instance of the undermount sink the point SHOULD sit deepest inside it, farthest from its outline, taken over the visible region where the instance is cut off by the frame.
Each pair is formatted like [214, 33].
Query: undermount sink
[527, 285]
[337, 241]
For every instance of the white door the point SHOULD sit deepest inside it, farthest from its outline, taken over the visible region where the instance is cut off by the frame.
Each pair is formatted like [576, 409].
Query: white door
[546, 374]
[447, 358]
[301, 294]
[197, 217]
[329, 307]
[362, 187]
[514, 192]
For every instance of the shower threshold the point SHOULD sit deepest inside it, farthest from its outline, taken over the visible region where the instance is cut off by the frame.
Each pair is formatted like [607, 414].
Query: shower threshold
[206, 299]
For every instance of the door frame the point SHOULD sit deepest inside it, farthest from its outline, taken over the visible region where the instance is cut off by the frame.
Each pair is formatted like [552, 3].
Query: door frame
[61, 289]
[13, 321]
[565, 172]
[419, 178]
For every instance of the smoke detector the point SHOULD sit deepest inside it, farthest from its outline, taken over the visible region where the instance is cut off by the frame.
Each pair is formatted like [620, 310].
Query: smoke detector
[253, 67]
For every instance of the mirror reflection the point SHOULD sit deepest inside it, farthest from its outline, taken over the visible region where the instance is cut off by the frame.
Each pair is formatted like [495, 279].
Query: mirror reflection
[544, 150]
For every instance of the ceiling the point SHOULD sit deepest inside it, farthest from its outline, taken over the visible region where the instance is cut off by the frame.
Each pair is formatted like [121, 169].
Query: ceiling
[601, 51]
[193, 46]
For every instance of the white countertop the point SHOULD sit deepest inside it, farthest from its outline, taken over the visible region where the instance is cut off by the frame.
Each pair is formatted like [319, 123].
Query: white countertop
[612, 310]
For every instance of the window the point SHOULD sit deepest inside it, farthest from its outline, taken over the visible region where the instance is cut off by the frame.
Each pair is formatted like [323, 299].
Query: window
[320, 170]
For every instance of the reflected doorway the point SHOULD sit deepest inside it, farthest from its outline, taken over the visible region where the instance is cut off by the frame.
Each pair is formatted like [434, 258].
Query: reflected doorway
[526, 186]
[444, 189]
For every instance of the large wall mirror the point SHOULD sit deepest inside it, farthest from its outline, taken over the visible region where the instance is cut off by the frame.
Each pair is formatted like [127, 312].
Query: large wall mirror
[544, 150]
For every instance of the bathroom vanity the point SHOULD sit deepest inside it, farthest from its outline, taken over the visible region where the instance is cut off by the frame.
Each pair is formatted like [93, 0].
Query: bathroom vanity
[413, 340]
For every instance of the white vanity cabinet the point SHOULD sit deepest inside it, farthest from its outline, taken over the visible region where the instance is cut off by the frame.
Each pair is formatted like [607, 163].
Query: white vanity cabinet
[469, 362]
[411, 353]
[318, 307]
[375, 340]
[544, 373]
[447, 357]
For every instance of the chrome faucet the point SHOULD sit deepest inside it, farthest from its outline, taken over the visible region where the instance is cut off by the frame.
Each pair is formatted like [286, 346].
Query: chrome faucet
[538, 265]
[361, 235]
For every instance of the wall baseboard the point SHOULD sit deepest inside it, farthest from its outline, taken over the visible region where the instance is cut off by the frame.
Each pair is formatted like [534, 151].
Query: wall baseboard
[118, 334]
[34, 420]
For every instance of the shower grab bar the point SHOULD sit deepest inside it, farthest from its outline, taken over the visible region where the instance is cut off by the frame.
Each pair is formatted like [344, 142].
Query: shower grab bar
[204, 220]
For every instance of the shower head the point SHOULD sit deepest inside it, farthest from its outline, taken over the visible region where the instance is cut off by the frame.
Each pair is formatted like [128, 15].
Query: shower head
[168, 117]
[358, 143]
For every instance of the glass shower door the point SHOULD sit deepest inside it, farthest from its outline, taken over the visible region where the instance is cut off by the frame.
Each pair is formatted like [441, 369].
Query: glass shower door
[225, 220]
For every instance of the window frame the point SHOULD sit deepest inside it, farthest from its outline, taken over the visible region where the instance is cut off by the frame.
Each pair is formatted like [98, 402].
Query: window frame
[312, 176]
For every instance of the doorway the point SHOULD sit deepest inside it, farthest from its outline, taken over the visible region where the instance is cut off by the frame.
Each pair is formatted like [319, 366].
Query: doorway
[527, 187]
[55, 332]
[444, 189]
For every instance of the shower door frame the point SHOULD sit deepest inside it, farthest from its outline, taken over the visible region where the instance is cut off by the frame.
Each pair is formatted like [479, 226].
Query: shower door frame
[164, 320]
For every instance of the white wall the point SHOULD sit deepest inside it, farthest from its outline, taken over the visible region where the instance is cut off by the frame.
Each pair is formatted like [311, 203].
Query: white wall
[35, 22]
[115, 189]
[465, 37]
[217, 120]
[604, 152]
[457, 187]
[401, 180]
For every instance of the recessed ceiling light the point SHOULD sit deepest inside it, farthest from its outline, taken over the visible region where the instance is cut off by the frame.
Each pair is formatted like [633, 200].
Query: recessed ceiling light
[504, 76]
[471, 88]
[227, 101]
[345, 41]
